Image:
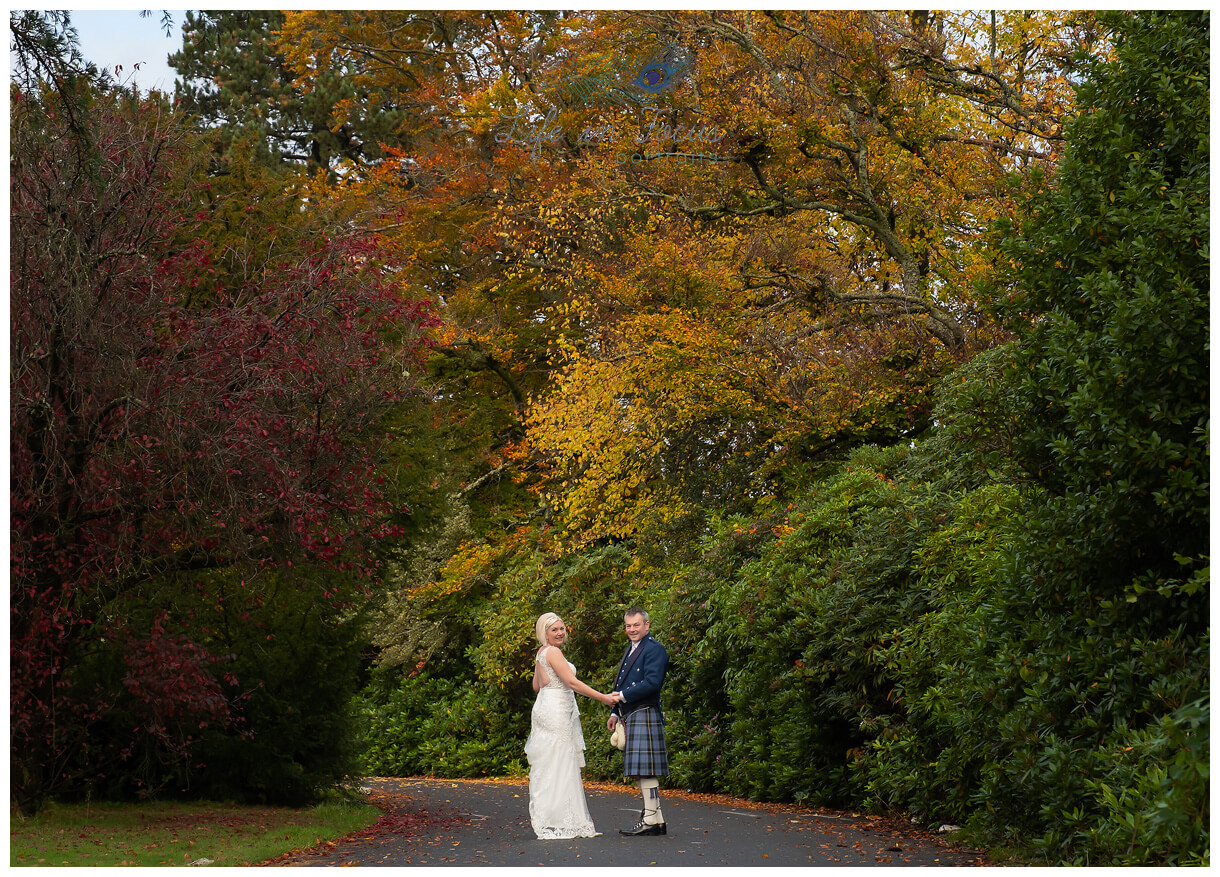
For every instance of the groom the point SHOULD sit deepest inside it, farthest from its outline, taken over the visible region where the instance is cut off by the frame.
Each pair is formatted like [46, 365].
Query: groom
[638, 686]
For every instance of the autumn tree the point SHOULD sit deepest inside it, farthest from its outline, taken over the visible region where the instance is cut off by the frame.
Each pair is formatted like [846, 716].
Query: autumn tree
[150, 437]
[896, 134]
[458, 222]
[769, 260]
[813, 191]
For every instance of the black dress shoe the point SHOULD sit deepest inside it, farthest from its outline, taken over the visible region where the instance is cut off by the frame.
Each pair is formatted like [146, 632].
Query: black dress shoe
[641, 829]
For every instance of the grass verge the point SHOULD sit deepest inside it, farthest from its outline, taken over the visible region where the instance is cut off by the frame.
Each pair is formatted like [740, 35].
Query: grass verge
[176, 833]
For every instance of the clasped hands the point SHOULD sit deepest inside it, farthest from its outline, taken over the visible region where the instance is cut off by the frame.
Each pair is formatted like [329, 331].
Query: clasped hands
[612, 698]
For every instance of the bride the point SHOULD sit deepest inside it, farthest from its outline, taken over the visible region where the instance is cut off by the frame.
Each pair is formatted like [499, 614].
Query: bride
[556, 746]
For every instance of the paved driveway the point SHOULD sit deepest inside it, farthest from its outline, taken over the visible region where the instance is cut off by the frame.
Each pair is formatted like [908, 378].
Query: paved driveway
[486, 822]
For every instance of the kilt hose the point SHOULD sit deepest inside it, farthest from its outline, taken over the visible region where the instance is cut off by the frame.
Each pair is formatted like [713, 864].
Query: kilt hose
[645, 754]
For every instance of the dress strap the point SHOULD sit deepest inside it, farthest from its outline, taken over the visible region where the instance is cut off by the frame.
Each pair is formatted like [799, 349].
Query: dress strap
[546, 664]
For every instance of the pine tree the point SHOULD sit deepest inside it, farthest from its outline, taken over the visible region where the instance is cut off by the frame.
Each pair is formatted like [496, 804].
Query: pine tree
[235, 77]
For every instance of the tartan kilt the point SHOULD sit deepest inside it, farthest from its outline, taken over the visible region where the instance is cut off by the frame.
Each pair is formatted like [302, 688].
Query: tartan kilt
[645, 755]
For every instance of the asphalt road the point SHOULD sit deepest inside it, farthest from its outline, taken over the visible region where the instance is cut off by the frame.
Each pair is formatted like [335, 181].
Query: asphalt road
[467, 823]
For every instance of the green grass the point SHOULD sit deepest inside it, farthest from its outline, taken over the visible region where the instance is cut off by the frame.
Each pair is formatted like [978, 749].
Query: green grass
[175, 833]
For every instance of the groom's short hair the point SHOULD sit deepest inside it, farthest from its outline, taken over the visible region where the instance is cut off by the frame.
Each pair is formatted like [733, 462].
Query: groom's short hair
[636, 610]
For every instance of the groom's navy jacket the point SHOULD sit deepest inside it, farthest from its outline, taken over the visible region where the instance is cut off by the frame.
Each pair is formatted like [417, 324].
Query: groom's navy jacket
[640, 676]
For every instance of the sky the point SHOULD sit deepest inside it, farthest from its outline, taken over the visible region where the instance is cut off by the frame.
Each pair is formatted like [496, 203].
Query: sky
[122, 38]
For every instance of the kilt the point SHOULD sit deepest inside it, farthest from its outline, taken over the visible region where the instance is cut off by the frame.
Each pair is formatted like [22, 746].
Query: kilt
[645, 754]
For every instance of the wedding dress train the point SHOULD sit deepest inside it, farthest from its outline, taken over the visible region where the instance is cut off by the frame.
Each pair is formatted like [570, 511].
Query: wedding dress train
[555, 751]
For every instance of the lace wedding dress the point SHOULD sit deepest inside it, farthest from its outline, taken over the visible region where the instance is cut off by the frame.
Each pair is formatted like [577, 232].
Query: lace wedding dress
[556, 753]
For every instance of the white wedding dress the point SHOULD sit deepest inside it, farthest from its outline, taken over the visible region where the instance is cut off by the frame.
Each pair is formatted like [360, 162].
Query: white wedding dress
[556, 753]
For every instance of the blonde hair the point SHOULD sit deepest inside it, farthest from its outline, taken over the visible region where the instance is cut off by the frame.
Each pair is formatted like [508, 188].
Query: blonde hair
[544, 622]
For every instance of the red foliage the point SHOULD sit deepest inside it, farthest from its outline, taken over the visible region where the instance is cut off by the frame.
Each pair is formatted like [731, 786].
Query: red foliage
[148, 436]
[169, 675]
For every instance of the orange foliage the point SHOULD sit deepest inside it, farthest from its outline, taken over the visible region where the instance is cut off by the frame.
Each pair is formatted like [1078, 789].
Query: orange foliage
[771, 259]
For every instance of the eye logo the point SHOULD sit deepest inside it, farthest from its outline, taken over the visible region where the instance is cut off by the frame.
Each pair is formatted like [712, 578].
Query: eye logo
[626, 81]
[618, 76]
[663, 71]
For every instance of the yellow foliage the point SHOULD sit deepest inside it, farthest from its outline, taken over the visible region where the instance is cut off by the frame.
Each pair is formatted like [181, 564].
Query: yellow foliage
[803, 286]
